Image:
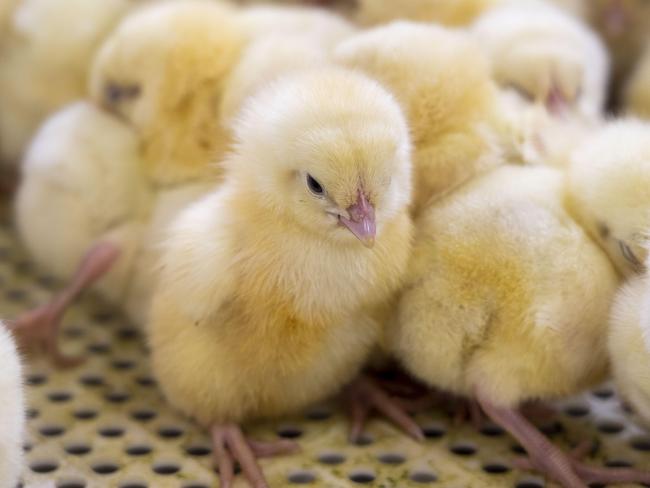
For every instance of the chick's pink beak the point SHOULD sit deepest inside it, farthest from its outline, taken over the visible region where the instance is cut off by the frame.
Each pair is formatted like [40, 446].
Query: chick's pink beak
[362, 220]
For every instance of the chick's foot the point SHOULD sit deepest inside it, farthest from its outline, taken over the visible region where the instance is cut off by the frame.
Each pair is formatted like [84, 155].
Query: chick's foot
[231, 445]
[363, 396]
[39, 328]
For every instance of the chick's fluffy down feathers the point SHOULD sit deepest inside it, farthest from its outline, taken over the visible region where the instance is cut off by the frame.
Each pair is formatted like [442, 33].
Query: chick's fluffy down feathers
[450, 100]
[44, 62]
[164, 70]
[274, 311]
[535, 47]
[505, 292]
[637, 93]
[456, 13]
[608, 189]
[92, 188]
[629, 345]
[12, 411]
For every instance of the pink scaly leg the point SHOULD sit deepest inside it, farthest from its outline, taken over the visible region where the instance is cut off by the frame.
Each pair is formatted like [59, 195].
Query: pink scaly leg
[41, 325]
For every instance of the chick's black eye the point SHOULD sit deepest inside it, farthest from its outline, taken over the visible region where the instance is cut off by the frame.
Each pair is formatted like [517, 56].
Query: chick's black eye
[314, 186]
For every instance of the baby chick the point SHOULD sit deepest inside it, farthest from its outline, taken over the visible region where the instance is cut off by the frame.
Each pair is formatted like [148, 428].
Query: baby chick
[12, 411]
[637, 92]
[607, 190]
[83, 167]
[547, 55]
[44, 61]
[163, 70]
[506, 300]
[450, 100]
[267, 283]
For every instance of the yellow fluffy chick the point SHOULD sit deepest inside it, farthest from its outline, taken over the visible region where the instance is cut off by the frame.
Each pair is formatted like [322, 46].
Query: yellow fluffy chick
[164, 70]
[265, 284]
[608, 180]
[12, 411]
[629, 344]
[637, 91]
[506, 301]
[452, 13]
[547, 55]
[442, 80]
[45, 53]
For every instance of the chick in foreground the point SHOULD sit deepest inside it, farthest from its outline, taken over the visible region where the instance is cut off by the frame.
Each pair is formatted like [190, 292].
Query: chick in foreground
[12, 411]
[547, 55]
[44, 62]
[506, 301]
[164, 70]
[266, 288]
[450, 100]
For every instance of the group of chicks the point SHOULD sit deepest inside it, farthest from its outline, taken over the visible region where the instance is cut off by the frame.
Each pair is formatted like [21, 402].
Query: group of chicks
[283, 196]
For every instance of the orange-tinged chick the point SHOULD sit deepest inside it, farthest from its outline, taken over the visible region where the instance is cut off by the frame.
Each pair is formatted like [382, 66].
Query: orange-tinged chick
[262, 303]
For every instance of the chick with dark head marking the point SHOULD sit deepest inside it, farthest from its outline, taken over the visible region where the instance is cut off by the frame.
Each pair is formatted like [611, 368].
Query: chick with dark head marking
[266, 288]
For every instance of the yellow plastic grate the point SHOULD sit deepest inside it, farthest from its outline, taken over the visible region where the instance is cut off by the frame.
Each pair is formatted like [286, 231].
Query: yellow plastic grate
[105, 424]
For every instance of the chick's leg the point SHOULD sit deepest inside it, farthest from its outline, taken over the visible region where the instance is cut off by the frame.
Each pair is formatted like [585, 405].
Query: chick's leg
[41, 326]
[544, 456]
[363, 395]
[230, 444]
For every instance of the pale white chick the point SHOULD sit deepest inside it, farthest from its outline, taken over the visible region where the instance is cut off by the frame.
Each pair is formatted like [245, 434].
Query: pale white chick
[547, 55]
[506, 301]
[45, 54]
[608, 182]
[81, 192]
[12, 411]
[267, 284]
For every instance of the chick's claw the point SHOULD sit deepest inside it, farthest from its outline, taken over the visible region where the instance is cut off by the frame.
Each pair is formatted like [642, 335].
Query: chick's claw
[363, 396]
[40, 327]
[231, 445]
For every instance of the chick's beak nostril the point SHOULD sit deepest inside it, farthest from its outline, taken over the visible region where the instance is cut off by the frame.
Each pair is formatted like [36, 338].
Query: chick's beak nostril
[362, 220]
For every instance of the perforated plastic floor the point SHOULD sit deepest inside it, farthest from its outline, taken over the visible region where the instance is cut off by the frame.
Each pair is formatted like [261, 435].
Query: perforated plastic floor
[105, 423]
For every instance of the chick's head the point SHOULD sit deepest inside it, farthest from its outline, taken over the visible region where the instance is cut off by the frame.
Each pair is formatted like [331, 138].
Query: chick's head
[327, 149]
[609, 190]
[163, 71]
